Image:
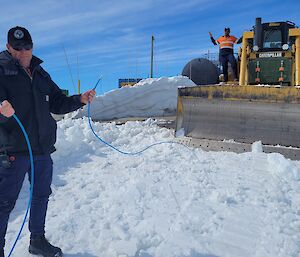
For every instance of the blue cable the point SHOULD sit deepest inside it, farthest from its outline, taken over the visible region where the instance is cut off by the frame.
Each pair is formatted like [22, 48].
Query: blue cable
[115, 148]
[31, 184]
[123, 152]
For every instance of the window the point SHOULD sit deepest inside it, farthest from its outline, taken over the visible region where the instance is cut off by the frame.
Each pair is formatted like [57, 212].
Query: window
[272, 39]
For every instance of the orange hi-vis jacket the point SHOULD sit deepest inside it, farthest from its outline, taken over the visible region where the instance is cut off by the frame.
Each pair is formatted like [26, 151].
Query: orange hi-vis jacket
[227, 42]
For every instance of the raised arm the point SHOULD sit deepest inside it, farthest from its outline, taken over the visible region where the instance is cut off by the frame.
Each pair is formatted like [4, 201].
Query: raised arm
[212, 39]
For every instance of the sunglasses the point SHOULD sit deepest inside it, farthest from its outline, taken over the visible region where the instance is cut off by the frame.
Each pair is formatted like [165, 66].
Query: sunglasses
[23, 47]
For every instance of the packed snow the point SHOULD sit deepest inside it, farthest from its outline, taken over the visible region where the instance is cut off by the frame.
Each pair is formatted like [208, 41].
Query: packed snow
[170, 201]
[148, 98]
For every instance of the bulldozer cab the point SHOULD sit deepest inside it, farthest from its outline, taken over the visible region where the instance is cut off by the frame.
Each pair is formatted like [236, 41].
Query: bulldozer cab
[269, 54]
[273, 36]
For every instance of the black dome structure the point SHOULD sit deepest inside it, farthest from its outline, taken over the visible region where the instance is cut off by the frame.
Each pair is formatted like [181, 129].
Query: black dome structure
[201, 71]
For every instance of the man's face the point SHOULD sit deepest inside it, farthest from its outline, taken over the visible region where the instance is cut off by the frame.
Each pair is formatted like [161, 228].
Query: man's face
[226, 32]
[21, 54]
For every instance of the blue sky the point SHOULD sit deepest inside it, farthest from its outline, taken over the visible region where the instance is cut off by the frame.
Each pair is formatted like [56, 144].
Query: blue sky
[112, 38]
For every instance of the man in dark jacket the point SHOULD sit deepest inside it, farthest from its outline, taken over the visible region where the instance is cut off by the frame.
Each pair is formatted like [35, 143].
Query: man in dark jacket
[28, 90]
[226, 55]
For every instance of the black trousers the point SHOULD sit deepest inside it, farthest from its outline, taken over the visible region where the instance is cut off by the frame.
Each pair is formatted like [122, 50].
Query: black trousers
[11, 180]
[224, 59]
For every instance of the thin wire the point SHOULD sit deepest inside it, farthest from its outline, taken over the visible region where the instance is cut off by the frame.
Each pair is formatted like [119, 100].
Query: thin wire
[69, 68]
[155, 61]
[179, 208]
[77, 65]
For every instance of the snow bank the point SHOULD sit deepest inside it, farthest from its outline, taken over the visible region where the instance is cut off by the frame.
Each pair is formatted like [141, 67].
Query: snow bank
[148, 98]
[167, 202]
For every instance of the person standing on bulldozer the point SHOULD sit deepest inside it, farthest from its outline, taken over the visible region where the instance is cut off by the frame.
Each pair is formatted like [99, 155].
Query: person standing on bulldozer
[226, 54]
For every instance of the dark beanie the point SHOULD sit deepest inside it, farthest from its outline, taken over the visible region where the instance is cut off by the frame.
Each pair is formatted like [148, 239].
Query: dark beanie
[18, 36]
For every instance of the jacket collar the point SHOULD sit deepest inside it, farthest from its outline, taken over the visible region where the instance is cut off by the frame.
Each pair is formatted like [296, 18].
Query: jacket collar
[8, 62]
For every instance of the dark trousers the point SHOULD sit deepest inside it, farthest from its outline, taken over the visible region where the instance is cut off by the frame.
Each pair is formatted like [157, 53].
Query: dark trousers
[224, 59]
[11, 180]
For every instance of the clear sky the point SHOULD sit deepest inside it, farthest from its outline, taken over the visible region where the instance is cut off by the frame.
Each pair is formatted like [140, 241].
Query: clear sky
[112, 38]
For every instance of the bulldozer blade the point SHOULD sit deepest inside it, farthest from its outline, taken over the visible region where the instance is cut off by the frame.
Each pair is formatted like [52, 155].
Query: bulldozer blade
[240, 114]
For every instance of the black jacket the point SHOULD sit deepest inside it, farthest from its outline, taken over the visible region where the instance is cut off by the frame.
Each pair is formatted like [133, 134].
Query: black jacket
[33, 99]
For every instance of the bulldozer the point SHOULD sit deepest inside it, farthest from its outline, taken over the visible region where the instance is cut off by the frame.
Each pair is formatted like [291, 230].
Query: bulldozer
[264, 105]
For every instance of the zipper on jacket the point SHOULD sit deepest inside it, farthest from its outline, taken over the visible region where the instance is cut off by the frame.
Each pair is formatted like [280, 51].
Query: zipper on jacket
[30, 75]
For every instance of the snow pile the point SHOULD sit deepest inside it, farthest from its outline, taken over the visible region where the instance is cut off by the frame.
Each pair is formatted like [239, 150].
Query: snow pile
[281, 167]
[167, 202]
[257, 147]
[148, 98]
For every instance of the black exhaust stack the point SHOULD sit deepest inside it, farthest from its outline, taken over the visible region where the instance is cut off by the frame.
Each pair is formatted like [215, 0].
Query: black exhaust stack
[257, 35]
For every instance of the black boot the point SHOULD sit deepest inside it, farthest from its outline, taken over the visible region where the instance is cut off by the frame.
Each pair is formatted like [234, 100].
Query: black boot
[39, 245]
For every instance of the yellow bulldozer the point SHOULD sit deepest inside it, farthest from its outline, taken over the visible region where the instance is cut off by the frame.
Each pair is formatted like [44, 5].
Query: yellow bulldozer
[264, 106]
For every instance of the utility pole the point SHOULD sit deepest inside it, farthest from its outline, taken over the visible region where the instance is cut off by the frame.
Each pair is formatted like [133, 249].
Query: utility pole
[78, 86]
[78, 83]
[152, 46]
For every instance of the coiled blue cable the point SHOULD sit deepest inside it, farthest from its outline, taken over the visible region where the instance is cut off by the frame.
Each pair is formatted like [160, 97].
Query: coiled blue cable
[31, 184]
